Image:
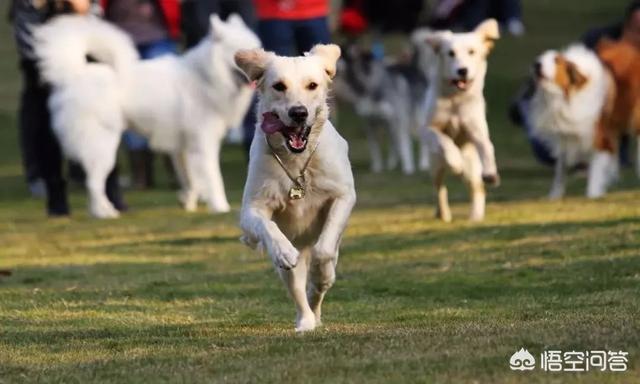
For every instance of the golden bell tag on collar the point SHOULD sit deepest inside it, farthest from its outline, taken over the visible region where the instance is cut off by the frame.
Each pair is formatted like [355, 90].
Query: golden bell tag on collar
[296, 192]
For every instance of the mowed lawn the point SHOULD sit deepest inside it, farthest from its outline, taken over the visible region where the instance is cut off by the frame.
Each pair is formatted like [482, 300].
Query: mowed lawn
[165, 296]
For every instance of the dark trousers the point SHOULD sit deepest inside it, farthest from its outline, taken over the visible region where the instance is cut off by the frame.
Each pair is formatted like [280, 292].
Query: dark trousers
[476, 11]
[195, 16]
[293, 37]
[42, 155]
[41, 152]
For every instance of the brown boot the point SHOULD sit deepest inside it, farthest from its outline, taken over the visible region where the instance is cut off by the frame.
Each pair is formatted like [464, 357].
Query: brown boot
[141, 162]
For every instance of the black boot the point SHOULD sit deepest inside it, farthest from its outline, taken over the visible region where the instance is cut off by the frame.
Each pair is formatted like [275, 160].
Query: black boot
[141, 162]
[114, 192]
[57, 203]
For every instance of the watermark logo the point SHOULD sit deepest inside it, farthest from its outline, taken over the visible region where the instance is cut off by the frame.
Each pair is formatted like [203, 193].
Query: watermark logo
[571, 361]
[522, 360]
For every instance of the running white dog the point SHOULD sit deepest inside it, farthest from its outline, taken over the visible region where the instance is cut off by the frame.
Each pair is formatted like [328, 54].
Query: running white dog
[299, 191]
[184, 105]
[572, 89]
[457, 135]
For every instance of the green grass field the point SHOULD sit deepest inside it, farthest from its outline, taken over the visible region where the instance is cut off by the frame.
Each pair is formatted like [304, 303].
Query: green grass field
[165, 296]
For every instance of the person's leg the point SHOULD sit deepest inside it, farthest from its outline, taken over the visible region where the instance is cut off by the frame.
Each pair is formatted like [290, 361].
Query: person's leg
[472, 13]
[244, 8]
[27, 123]
[50, 159]
[195, 19]
[509, 14]
[114, 192]
[139, 157]
[311, 32]
[277, 36]
[38, 136]
[158, 48]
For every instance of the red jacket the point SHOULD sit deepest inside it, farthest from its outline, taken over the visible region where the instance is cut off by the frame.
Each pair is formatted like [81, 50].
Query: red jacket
[170, 11]
[291, 9]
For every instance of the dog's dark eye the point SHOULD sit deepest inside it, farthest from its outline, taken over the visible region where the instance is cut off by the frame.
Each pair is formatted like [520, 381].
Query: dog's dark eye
[312, 86]
[452, 53]
[279, 86]
[472, 52]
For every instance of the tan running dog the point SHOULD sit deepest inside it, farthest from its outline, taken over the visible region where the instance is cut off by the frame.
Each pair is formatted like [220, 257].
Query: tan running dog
[457, 135]
[299, 191]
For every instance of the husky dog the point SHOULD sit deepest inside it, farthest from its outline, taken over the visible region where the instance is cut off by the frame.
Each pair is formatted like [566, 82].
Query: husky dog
[572, 88]
[300, 190]
[184, 105]
[387, 95]
[457, 134]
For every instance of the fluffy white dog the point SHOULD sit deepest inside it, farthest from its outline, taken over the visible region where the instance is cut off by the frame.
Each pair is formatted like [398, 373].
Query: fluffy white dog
[184, 105]
[299, 191]
[457, 135]
[572, 88]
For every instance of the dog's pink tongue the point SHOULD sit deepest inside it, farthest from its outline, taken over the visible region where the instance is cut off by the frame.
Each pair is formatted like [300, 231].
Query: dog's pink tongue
[271, 123]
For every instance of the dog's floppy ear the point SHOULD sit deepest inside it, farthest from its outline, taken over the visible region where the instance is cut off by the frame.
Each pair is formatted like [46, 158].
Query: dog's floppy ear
[435, 39]
[253, 62]
[576, 78]
[489, 30]
[329, 54]
[568, 77]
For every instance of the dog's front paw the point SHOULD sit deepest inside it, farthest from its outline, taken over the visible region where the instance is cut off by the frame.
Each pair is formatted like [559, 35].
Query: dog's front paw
[219, 207]
[306, 323]
[103, 210]
[249, 241]
[491, 179]
[285, 255]
[322, 252]
[189, 200]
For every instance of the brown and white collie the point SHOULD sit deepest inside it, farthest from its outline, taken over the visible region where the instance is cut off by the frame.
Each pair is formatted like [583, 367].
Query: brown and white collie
[573, 92]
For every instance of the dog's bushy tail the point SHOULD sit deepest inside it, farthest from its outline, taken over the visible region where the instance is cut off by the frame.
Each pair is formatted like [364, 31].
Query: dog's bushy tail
[64, 45]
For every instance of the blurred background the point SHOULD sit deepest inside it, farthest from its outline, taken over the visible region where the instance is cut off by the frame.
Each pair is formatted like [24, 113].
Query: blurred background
[529, 27]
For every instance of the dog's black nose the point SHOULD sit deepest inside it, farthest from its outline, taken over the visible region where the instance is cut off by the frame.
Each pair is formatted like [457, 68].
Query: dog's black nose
[463, 72]
[298, 114]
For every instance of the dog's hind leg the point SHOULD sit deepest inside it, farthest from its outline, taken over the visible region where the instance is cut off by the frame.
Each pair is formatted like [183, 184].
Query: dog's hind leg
[559, 178]
[401, 143]
[296, 281]
[97, 165]
[371, 131]
[405, 147]
[322, 275]
[424, 164]
[472, 175]
[603, 169]
[209, 149]
[188, 194]
[443, 211]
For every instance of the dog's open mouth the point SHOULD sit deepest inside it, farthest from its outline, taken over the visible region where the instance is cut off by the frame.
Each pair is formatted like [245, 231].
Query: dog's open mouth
[461, 84]
[296, 137]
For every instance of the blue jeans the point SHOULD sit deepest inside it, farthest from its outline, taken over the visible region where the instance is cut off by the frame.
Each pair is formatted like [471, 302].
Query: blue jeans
[132, 140]
[293, 37]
